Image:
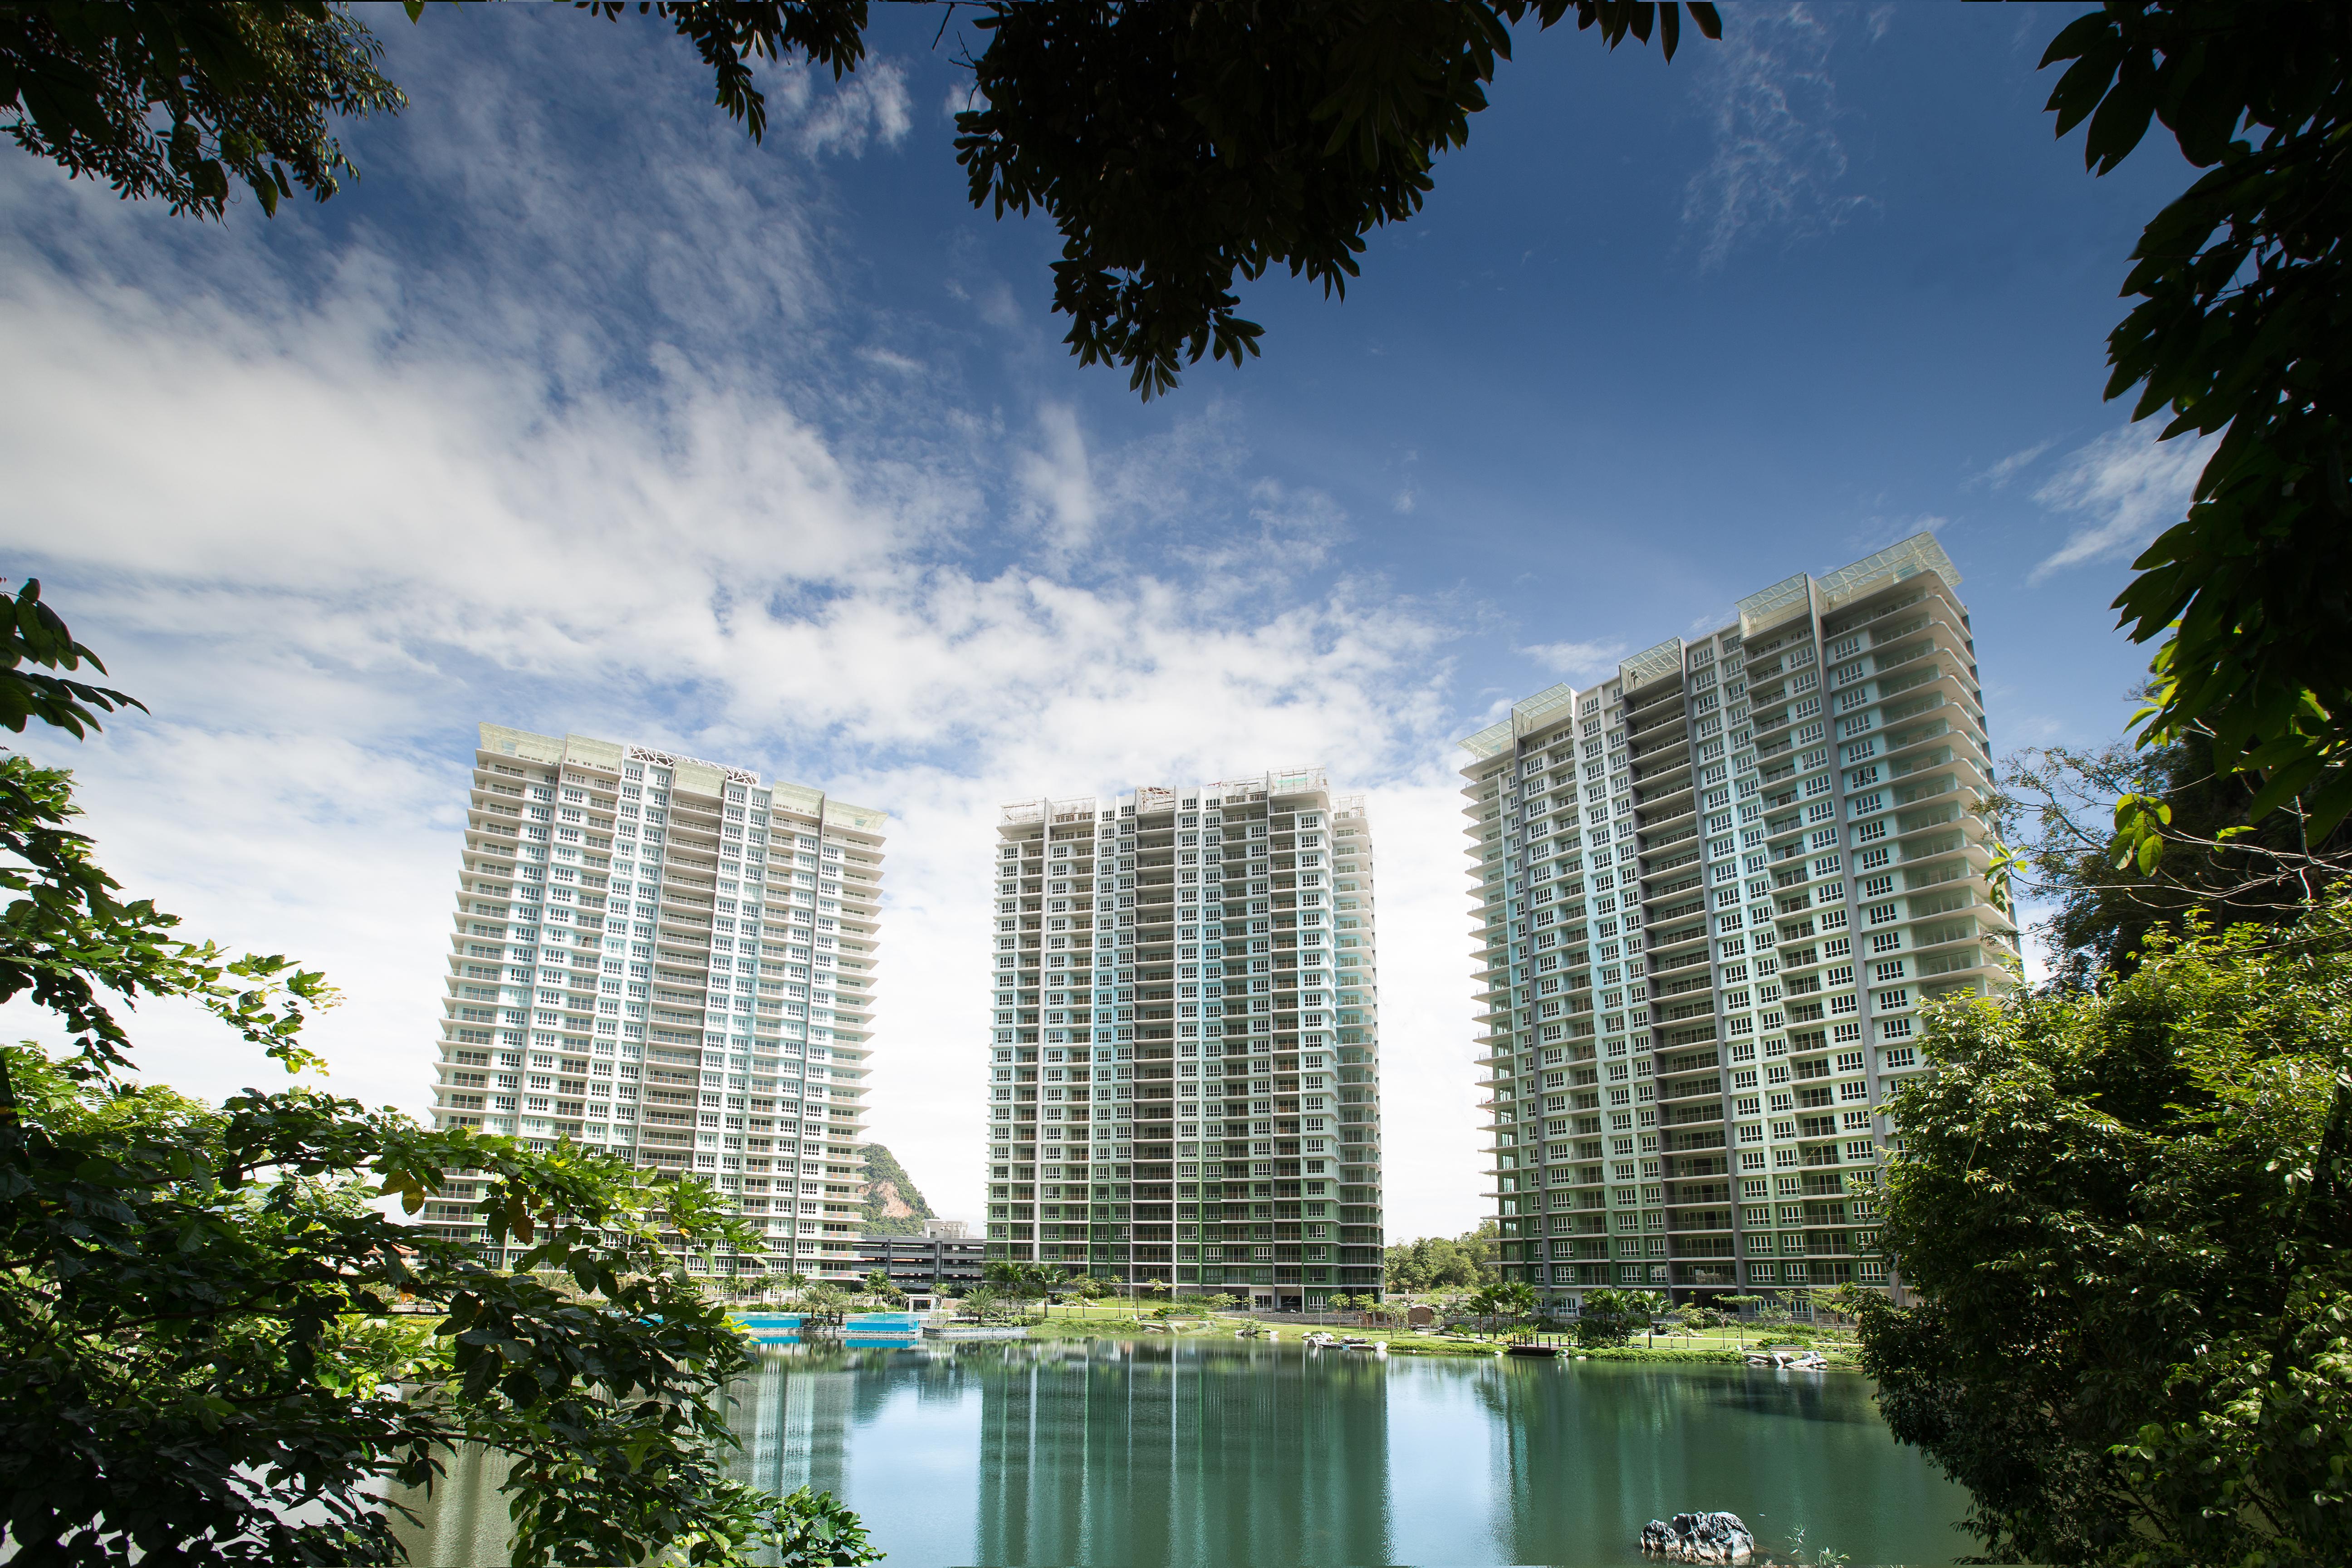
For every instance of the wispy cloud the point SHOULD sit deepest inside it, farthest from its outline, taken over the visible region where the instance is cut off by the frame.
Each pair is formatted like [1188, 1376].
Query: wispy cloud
[1057, 479]
[1877, 533]
[1579, 660]
[1778, 158]
[870, 106]
[1995, 476]
[2125, 487]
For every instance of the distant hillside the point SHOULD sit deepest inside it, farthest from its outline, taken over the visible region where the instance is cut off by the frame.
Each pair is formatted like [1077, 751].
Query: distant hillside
[893, 1206]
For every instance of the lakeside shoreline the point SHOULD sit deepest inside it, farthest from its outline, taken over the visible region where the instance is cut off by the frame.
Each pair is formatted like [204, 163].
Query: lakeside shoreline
[1091, 1325]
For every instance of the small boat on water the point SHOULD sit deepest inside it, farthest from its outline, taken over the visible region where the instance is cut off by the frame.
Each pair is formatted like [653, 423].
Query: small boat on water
[1788, 1360]
[1355, 1343]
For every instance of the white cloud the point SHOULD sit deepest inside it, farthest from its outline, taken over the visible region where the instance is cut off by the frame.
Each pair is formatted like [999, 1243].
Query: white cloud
[872, 103]
[326, 502]
[1058, 482]
[1298, 526]
[1994, 476]
[963, 98]
[2126, 487]
[1585, 661]
[1768, 93]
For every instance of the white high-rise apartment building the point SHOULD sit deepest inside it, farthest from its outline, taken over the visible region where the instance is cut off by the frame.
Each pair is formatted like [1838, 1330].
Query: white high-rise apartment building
[670, 959]
[1183, 1069]
[1713, 894]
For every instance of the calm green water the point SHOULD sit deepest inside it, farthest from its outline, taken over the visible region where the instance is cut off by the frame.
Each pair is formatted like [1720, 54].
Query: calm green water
[1220, 1454]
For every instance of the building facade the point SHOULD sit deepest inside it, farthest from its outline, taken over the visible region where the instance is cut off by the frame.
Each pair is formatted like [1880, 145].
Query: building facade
[1183, 1066]
[673, 960]
[1711, 896]
[927, 1268]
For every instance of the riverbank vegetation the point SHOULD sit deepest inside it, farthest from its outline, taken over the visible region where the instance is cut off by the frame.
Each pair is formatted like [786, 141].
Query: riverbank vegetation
[1101, 1324]
[2123, 1198]
[1673, 1341]
[2125, 1209]
[216, 1345]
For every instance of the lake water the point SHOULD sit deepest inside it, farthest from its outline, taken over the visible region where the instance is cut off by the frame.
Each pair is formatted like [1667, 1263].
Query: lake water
[1224, 1454]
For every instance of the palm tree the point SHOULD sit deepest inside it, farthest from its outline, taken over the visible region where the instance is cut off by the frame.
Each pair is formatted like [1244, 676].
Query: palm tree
[1007, 1279]
[1037, 1285]
[1511, 1300]
[1656, 1304]
[824, 1302]
[1025, 1281]
[879, 1288]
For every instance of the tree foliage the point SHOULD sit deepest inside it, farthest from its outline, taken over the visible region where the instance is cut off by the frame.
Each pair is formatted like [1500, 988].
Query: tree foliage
[1508, 1298]
[216, 1345]
[1607, 1318]
[1019, 1282]
[2240, 328]
[180, 102]
[729, 35]
[1182, 145]
[886, 1181]
[2125, 1213]
[33, 644]
[2124, 840]
[1442, 1262]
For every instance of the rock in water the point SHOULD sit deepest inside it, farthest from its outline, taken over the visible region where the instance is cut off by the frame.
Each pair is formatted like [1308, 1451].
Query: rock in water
[1699, 1538]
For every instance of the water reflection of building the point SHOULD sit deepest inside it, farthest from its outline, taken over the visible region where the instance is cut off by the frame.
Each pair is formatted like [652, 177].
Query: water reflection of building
[1585, 1456]
[793, 1416]
[1158, 1453]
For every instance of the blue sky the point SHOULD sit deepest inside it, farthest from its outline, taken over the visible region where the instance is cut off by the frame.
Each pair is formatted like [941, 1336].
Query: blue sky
[578, 412]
